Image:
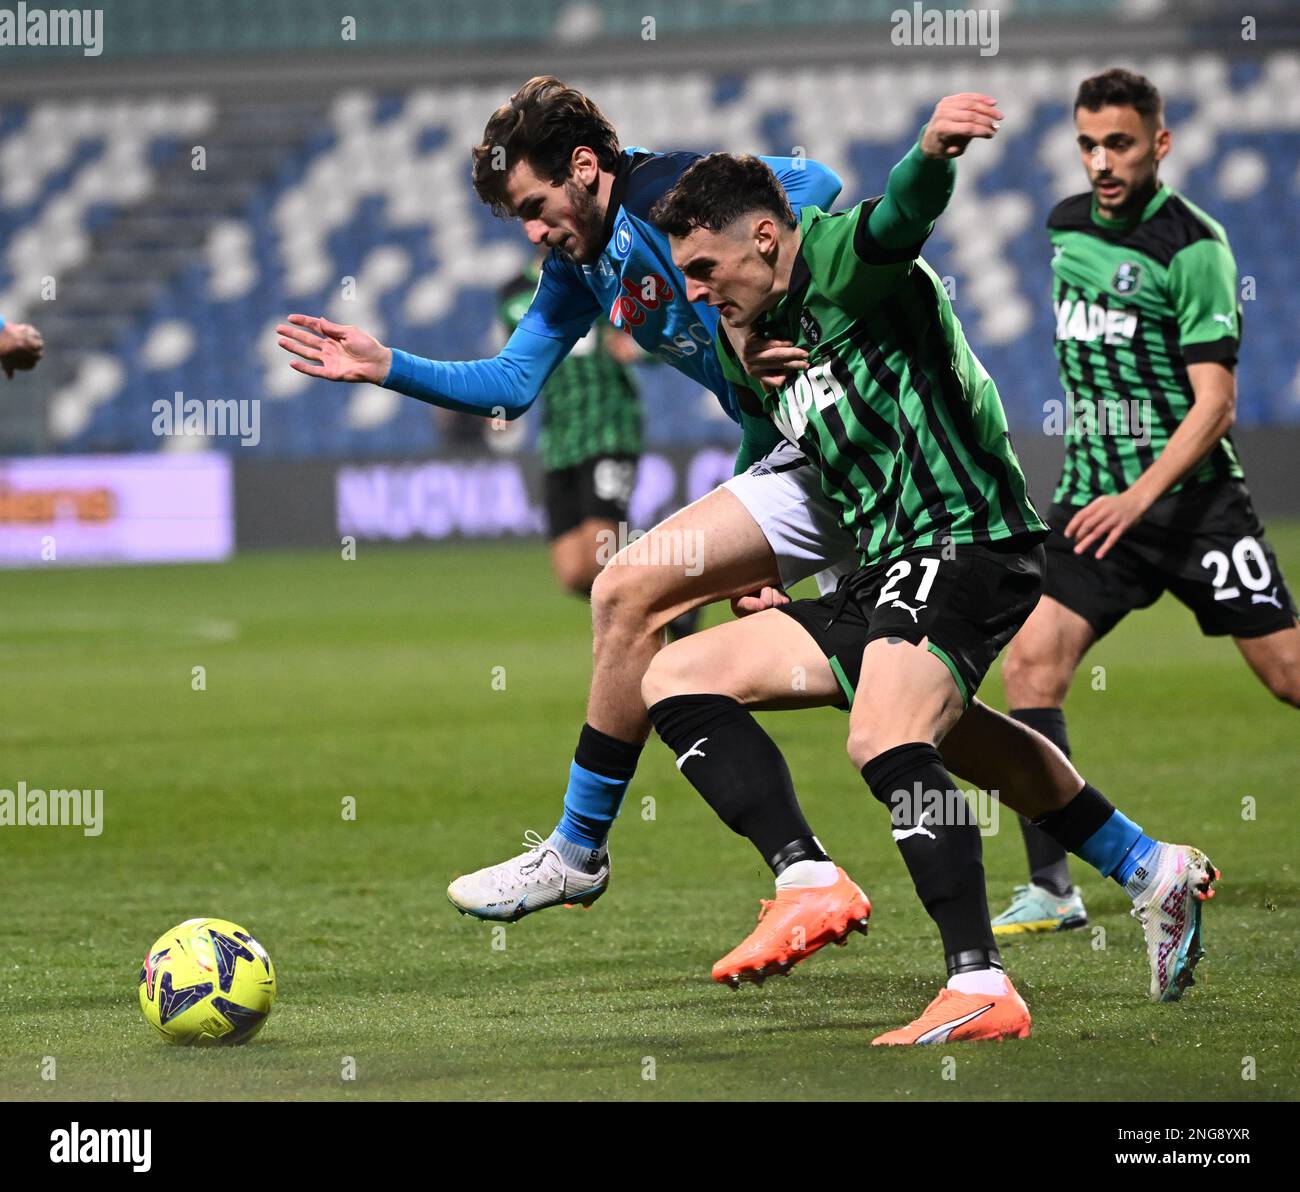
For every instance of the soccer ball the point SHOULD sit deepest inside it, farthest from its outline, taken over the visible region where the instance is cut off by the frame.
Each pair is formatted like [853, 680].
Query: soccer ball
[206, 981]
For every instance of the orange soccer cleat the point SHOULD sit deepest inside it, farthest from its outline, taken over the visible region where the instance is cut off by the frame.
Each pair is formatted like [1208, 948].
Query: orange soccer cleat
[794, 925]
[964, 1017]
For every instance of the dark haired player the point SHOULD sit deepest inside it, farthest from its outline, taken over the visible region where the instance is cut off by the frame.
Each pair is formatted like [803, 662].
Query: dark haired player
[907, 433]
[1152, 497]
[551, 159]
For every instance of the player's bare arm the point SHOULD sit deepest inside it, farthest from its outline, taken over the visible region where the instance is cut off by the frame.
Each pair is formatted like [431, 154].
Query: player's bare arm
[1105, 520]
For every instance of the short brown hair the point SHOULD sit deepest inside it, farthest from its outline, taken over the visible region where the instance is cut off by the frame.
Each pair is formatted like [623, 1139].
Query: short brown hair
[1121, 88]
[542, 124]
[716, 191]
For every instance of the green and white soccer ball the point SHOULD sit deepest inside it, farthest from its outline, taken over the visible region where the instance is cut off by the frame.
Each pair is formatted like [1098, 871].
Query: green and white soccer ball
[206, 981]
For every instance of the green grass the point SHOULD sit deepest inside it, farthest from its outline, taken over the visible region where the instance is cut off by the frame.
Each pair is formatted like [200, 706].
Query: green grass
[374, 679]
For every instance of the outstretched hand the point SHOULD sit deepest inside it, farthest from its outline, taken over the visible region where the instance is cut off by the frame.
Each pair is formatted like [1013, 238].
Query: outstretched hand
[957, 120]
[334, 351]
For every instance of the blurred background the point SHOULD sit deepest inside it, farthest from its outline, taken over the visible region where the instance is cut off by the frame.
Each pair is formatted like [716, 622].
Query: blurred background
[169, 194]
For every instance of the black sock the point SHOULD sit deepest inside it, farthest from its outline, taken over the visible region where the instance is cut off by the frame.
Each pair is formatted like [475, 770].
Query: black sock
[1049, 866]
[736, 766]
[941, 847]
[1079, 820]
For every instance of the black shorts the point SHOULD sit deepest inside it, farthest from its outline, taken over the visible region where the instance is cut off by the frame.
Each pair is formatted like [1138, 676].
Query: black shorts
[1204, 544]
[968, 604]
[600, 487]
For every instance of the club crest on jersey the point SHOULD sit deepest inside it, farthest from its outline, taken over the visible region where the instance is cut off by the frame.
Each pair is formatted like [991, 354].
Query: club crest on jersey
[622, 243]
[1127, 278]
[812, 331]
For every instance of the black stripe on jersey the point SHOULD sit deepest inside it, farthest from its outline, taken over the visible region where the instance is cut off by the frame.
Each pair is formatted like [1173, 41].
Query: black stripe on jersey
[836, 479]
[1146, 372]
[975, 502]
[880, 428]
[1088, 474]
[959, 412]
[1171, 229]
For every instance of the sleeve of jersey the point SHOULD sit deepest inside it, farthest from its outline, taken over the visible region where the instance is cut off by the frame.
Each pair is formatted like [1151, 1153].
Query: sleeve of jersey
[918, 190]
[850, 268]
[807, 183]
[508, 383]
[2, 322]
[1203, 291]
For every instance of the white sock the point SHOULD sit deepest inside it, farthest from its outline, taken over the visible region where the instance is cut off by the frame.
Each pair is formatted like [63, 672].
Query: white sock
[989, 982]
[807, 873]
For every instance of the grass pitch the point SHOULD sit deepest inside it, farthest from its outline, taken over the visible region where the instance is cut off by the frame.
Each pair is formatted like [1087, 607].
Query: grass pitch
[375, 680]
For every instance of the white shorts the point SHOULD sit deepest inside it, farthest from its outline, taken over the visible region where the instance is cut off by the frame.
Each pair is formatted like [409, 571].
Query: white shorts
[783, 493]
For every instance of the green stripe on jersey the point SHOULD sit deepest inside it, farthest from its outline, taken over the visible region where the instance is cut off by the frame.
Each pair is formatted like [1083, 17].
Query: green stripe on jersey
[589, 403]
[1136, 302]
[895, 410]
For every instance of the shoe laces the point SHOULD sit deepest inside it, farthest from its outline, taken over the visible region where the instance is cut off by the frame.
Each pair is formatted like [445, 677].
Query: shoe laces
[535, 844]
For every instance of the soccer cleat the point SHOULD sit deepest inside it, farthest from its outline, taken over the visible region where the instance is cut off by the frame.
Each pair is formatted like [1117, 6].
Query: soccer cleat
[1169, 910]
[792, 926]
[530, 882]
[1035, 909]
[964, 1018]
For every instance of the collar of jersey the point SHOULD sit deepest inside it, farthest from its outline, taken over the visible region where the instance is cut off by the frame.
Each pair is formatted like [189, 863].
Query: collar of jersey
[1118, 225]
[627, 162]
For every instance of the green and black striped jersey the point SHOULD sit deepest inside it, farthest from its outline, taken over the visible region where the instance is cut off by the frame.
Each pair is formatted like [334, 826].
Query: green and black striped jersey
[589, 404]
[897, 413]
[1136, 302]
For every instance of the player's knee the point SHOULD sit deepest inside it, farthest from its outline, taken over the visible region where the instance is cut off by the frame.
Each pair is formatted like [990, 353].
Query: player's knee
[1035, 676]
[615, 598]
[1284, 683]
[865, 742]
[682, 669]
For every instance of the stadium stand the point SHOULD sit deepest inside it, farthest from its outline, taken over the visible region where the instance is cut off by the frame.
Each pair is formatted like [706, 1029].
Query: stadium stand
[176, 232]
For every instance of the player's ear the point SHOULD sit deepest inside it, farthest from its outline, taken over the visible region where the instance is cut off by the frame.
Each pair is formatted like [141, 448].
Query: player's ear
[583, 166]
[1164, 142]
[765, 235]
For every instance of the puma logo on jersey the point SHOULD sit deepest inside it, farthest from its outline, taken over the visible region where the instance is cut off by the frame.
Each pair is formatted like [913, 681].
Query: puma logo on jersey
[1226, 320]
[693, 751]
[1270, 598]
[901, 834]
[1088, 322]
[908, 608]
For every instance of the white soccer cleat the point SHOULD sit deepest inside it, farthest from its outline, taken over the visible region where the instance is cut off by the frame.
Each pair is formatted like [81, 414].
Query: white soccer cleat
[529, 882]
[1170, 912]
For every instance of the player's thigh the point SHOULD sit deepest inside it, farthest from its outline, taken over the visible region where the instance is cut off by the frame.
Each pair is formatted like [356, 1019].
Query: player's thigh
[905, 694]
[1275, 659]
[576, 554]
[711, 550]
[767, 660]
